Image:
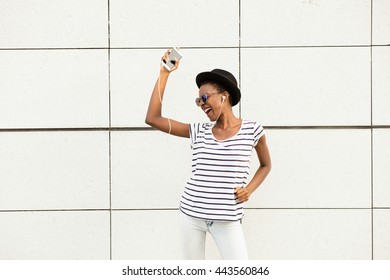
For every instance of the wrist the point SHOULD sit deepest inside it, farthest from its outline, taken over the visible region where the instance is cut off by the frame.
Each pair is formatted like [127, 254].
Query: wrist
[164, 72]
[249, 189]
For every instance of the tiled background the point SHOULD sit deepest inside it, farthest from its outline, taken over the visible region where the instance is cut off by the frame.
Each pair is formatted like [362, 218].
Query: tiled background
[82, 176]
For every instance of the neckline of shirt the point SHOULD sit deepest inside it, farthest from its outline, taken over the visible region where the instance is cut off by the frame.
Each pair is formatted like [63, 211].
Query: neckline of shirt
[227, 139]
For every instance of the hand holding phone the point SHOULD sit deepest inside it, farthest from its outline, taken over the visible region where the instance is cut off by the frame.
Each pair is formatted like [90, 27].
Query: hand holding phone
[169, 63]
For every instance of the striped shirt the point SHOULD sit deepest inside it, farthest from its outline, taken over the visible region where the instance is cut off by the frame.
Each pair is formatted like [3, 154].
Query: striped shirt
[218, 167]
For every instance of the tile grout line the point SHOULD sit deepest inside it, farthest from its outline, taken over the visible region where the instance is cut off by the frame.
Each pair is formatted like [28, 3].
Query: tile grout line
[193, 47]
[144, 128]
[239, 55]
[177, 209]
[372, 139]
[109, 123]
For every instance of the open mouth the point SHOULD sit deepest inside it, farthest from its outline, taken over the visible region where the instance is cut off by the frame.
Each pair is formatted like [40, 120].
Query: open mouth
[208, 111]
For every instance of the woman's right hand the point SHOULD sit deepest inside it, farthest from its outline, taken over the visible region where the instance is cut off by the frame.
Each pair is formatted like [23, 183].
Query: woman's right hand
[165, 57]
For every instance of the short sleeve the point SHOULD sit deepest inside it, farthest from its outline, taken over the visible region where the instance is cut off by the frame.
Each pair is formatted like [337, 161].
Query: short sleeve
[193, 129]
[258, 132]
[196, 132]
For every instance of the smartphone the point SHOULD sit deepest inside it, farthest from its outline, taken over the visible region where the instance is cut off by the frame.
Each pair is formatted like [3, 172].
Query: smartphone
[171, 59]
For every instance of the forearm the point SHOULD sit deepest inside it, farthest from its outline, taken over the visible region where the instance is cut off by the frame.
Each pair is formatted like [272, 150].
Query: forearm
[155, 104]
[243, 193]
[258, 178]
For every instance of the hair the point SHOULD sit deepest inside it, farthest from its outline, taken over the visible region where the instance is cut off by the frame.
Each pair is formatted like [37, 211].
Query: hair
[218, 86]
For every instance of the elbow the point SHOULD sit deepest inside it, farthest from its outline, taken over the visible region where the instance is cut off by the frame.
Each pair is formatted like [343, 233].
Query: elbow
[266, 167]
[148, 118]
[148, 121]
[269, 167]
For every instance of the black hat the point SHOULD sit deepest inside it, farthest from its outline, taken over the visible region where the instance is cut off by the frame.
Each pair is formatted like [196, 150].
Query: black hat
[225, 79]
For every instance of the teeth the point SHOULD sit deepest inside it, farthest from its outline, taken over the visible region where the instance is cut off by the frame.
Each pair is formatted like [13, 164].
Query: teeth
[207, 110]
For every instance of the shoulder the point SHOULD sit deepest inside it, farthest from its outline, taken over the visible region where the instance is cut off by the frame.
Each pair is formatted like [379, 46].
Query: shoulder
[253, 128]
[250, 124]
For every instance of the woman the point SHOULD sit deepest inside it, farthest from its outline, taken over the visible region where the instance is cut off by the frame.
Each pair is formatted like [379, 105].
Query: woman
[213, 198]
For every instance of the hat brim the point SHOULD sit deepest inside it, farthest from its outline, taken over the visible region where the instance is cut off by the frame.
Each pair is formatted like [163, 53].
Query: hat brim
[229, 86]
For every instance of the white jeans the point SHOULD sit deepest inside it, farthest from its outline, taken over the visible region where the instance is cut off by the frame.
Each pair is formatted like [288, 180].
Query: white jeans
[228, 236]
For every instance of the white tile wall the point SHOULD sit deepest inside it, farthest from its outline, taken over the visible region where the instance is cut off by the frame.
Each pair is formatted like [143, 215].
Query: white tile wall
[54, 170]
[381, 85]
[310, 86]
[64, 88]
[305, 23]
[381, 22]
[309, 234]
[135, 72]
[316, 169]
[154, 23]
[82, 177]
[271, 234]
[149, 169]
[381, 161]
[58, 235]
[381, 234]
[53, 24]
[145, 235]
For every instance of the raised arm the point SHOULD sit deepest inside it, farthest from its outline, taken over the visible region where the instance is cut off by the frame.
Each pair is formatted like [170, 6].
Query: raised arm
[154, 117]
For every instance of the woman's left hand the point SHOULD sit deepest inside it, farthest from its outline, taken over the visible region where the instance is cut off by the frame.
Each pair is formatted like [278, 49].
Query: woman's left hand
[242, 194]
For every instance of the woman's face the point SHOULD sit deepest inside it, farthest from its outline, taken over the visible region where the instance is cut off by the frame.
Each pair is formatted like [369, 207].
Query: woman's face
[212, 106]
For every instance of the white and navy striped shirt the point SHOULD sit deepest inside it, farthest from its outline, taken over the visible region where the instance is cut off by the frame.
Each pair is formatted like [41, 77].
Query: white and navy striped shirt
[218, 167]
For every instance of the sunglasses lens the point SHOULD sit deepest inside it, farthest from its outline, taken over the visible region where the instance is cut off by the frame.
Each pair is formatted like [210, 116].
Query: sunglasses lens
[202, 100]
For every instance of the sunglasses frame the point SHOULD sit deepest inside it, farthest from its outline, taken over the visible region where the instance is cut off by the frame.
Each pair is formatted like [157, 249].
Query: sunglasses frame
[203, 98]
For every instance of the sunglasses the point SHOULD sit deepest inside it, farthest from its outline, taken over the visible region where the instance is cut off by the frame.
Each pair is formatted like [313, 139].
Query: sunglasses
[203, 98]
